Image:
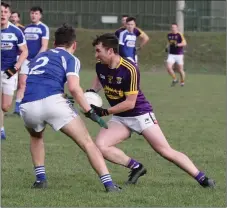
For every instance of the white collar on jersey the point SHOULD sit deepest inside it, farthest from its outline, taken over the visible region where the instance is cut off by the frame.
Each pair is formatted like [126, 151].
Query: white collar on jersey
[63, 48]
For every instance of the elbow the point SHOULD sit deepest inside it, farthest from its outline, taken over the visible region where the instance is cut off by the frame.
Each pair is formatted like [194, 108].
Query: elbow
[131, 105]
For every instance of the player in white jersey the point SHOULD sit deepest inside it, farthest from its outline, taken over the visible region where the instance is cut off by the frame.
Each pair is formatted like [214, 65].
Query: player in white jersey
[37, 37]
[43, 103]
[12, 43]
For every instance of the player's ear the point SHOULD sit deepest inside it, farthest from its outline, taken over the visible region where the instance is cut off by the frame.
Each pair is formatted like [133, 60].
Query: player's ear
[74, 45]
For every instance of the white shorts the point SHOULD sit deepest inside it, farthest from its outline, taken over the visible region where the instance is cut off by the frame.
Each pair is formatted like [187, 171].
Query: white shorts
[178, 59]
[137, 123]
[53, 110]
[24, 67]
[9, 85]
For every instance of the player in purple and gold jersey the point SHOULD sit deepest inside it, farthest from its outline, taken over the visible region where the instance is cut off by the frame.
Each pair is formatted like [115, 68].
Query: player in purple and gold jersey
[175, 48]
[15, 19]
[131, 112]
[143, 37]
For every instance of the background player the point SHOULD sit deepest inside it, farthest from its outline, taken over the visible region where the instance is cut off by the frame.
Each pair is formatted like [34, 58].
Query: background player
[37, 37]
[131, 112]
[43, 103]
[15, 19]
[175, 48]
[12, 43]
[127, 40]
[143, 37]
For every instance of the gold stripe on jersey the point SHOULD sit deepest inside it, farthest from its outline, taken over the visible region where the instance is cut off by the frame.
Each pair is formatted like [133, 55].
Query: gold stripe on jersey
[132, 69]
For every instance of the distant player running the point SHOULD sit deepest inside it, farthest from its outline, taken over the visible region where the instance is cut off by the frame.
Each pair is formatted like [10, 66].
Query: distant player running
[175, 49]
[43, 103]
[143, 37]
[37, 37]
[131, 112]
[12, 43]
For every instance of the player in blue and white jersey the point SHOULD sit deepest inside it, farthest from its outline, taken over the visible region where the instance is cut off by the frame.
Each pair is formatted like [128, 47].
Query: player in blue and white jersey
[37, 37]
[44, 103]
[129, 23]
[12, 43]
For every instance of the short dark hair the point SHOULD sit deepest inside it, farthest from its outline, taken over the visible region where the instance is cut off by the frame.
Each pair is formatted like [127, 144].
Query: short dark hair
[65, 36]
[16, 12]
[124, 15]
[36, 8]
[129, 19]
[174, 23]
[108, 40]
[6, 5]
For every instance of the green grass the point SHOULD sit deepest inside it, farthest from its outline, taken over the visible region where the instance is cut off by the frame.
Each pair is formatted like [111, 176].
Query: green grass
[193, 120]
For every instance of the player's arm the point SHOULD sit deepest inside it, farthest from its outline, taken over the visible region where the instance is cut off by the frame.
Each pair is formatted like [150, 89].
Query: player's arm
[183, 41]
[122, 48]
[144, 38]
[96, 85]
[22, 45]
[45, 39]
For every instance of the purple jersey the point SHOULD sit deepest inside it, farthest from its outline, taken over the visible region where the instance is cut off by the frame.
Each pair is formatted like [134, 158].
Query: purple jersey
[20, 26]
[136, 31]
[120, 82]
[173, 39]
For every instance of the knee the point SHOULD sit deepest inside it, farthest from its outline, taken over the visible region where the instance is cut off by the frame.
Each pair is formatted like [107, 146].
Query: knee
[6, 107]
[102, 147]
[167, 153]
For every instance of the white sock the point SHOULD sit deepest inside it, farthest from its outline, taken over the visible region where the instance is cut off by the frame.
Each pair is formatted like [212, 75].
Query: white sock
[18, 100]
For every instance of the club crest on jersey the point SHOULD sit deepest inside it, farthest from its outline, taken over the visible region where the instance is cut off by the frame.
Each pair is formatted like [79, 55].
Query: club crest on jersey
[110, 79]
[102, 76]
[119, 79]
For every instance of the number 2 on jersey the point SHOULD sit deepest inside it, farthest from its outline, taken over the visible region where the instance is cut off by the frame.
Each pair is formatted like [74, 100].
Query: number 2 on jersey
[34, 70]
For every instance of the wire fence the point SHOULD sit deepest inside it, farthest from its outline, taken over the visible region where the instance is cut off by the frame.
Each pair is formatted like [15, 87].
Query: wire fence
[151, 15]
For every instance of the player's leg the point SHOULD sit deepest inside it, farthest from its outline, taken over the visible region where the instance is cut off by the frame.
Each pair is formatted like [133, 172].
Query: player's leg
[21, 85]
[169, 66]
[33, 117]
[38, 157]
[20, 91]
[8, 88]
[180, 69]
[106, 141]
[77, 131]
[157, 140]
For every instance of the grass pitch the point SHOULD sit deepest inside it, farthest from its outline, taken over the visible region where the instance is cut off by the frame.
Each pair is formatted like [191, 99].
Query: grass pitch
[193, 120]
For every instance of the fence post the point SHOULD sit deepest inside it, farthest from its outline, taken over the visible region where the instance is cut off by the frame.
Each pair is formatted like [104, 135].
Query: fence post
[180, 14]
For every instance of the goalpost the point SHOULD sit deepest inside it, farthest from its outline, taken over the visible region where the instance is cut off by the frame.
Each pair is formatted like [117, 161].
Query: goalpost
[180, 5]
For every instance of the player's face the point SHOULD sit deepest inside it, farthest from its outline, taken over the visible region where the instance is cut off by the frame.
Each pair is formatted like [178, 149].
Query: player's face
[35, 16]
[103, 54]
[123, 21]
[14, 18]
[174, 28]
[5, 15]
[130, 26]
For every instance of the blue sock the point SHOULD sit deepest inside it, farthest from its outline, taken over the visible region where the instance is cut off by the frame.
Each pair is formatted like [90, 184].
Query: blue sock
[133, 164]
[17, 104]
[40, 173]
[200, 177]
[106, 180]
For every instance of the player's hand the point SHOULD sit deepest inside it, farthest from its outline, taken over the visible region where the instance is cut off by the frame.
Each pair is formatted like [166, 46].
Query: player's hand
[94, 117]
[100, 111]
[10, 72]
[90, 90]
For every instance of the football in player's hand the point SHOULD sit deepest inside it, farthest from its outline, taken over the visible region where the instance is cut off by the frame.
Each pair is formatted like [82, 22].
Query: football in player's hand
[93, 99]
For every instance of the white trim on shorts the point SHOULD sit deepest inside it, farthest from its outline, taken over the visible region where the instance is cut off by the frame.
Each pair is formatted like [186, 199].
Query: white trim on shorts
[137, 123]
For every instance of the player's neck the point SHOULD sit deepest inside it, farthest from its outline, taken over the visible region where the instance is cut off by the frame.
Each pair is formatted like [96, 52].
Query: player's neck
[114, 62]
[4, 26]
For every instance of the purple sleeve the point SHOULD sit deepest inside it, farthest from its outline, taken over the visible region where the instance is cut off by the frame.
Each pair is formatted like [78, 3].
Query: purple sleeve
[138, 32]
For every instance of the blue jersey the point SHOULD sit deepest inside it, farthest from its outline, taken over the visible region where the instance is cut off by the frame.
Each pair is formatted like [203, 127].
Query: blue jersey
[33, 35]
[48, 73]
[127, 45]
[11, 38]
